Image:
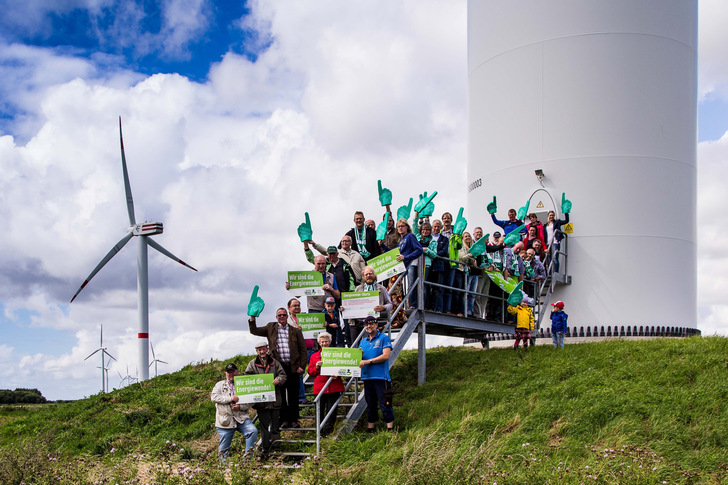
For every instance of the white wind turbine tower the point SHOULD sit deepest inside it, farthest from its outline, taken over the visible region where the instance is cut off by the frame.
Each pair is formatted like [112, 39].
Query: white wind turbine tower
[104, 369]
[143, 231]
[155, 359]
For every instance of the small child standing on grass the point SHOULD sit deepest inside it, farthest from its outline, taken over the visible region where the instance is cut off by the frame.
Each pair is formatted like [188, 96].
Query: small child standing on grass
[524, 322]
[558, 324]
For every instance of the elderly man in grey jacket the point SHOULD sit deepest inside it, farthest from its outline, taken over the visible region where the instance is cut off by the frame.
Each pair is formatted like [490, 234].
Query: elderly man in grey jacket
[230, 415]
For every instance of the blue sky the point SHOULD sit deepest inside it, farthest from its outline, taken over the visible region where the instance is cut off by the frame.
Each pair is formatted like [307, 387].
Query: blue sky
[229, 108]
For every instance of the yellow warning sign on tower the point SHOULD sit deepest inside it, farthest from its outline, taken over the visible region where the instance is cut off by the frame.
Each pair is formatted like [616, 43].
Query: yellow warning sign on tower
[569, 228]
[540, 205]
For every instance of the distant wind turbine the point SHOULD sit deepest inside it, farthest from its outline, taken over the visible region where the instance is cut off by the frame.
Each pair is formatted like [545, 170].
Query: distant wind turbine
[104, 353]
[128, 378]
[143, 230]
[155, 359]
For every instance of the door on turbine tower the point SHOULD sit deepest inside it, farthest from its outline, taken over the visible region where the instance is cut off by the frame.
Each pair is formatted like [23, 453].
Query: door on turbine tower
[540, 204]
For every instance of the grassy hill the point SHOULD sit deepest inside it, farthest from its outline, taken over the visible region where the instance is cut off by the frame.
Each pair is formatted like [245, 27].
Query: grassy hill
[610, 412]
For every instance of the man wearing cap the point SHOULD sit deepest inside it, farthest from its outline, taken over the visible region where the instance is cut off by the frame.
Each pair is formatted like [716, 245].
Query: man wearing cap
[231, 416]
[558, 324]
[268, 413]
[376, 348]
[316, 303]
[287, 346]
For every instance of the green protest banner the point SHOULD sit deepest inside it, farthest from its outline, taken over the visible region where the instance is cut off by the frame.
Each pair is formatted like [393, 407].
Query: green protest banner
[506, 285]
[255, 389]
[360, 304]
[306, 283]
[386, 265]
[337, 361]
[312, 324]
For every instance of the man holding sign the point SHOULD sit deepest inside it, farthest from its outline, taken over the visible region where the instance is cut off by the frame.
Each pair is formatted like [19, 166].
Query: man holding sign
[287, 347]
[230, 415]
[268, 412]
[369, 283]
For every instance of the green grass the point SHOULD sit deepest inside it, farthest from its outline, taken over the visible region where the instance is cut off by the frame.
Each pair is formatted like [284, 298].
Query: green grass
[648, 411]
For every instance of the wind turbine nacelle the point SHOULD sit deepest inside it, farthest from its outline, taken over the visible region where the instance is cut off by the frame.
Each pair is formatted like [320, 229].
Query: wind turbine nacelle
[148, 229]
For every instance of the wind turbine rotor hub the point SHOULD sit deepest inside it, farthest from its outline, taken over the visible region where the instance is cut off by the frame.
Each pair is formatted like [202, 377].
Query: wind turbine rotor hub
[147, 229]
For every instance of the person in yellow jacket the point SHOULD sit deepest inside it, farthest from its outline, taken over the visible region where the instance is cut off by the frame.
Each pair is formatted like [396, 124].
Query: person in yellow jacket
[524, 322]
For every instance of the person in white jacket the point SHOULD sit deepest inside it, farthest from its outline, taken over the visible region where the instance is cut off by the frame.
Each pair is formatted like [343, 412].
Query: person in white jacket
[230, 415]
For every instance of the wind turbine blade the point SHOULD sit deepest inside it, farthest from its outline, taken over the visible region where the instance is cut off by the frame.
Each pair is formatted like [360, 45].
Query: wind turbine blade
[102, 336]
[127, 186]
[162, 362]
[92, 353]
[154, 357]
[171, 256]
[106, 259]
[110, 355]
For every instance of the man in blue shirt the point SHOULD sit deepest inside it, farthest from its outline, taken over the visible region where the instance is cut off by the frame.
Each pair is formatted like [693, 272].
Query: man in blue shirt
[374, 366]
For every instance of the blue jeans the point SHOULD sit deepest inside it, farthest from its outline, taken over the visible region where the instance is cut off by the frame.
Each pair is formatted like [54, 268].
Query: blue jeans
[472, 288]
[558, 339]
[411, 277]
[374, 394]
[247, 428]
[449, 274]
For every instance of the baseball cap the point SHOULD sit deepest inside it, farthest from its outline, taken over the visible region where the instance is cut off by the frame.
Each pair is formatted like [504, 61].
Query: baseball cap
[330, 299]
[558, 304]
[231, 367]
[332, 250]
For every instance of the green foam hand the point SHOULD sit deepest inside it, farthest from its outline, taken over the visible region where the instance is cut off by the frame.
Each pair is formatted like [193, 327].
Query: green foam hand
[514, 236]
[516, 296]
[382, 227]
[478, 247]
[425, 206]
[565, 203]
[460, 223]
[256, 304]
[492, 207]
[523, 210]
[304, 230]
[385, 195]
[404, 211]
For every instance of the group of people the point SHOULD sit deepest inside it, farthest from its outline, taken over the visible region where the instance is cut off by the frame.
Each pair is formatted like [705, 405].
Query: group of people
[524, 251]
[284, 354]
[446, 250]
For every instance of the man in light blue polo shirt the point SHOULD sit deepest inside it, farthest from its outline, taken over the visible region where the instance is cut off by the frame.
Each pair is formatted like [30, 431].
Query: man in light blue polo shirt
[374, 366]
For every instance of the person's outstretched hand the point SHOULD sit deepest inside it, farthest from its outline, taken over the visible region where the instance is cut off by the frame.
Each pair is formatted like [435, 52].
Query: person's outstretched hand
[404, 211]
[523, 210]
[516, 296]
[425, 206]
[565, 203]
[385, 195]
[304, 230]
[514, 236]
[478, 246]
[256, 304]
[492, 207]
[460, 224]
[382, 227]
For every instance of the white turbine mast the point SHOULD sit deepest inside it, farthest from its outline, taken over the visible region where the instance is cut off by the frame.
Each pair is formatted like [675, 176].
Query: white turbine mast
[104, 369]
[143, 231]
[155, 360]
